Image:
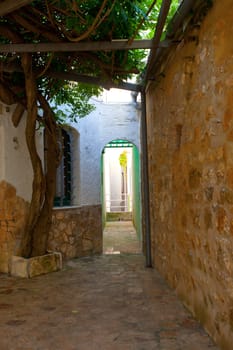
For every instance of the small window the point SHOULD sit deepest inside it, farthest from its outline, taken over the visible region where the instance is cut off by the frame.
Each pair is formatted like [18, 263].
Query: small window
[64, 173]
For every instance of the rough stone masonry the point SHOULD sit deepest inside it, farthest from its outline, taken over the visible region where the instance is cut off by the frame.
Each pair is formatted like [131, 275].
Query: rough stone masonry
[75, 231]
[190, 137]
[13, 213]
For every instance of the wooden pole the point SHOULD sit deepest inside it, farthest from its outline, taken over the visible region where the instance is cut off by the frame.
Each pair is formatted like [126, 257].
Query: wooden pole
[9, 6]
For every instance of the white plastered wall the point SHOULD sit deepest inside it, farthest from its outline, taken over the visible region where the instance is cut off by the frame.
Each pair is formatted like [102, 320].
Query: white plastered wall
[113, 177]
[115, 117]
[15, 164]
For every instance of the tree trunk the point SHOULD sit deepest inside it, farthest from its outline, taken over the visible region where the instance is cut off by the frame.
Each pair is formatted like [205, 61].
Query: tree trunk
[42, 228]
[38, 185]
[34, 240]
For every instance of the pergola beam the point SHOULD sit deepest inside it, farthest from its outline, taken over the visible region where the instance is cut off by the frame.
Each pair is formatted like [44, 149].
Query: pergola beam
[183, 10]
[9, 6]
[177, 22]
[81, 46]
[158, 33]
[80, 78]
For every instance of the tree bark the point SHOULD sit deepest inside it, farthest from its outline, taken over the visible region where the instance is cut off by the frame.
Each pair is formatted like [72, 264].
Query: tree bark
[38, 185]
[17, 115]
[35, 238]
[43, 225]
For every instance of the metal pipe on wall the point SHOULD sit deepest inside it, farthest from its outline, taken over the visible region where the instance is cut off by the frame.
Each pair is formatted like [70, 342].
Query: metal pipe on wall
[145, 181]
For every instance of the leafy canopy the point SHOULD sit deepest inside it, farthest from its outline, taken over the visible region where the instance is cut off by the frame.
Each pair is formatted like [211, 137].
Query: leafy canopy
[58, 21]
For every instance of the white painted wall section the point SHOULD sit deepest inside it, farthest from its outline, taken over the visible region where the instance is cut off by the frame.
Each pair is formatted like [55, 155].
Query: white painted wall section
[111, 120]
[114, 197]
[15, 161]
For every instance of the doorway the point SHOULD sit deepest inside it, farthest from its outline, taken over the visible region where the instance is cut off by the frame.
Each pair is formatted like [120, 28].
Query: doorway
[121, 198]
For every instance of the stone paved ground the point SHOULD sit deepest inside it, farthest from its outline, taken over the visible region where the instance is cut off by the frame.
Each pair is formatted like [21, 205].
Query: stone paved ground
[120, 237]
[110, 302]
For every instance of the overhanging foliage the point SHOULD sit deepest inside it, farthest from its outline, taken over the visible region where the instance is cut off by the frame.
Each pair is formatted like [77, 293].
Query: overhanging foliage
[62, 21]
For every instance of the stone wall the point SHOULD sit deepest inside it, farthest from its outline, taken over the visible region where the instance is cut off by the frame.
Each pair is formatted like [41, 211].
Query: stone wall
[76, 231]
[190, 138]
[13, 211]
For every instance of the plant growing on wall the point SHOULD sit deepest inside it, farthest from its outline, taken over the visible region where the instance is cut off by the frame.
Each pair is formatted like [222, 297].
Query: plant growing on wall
[123, 160]
[123, 164]
[38, 82]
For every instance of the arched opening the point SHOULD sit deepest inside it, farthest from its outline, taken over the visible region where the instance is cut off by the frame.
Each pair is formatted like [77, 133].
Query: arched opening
[121, 197]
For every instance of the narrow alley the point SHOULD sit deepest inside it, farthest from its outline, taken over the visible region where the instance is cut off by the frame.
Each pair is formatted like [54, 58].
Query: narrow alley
[108, 302]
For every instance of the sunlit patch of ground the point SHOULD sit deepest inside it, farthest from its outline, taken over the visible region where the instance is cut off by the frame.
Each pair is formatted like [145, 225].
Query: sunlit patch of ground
[120, 238]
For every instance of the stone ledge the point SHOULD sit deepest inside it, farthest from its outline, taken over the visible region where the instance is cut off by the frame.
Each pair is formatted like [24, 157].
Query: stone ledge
[76, 207]
[35, 266]
[119, 216]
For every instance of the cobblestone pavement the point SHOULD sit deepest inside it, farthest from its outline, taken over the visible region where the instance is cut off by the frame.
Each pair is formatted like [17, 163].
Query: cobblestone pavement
[110, 302]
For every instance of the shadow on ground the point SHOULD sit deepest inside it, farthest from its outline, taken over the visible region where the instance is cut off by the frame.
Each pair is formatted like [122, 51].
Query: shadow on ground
[110, 302]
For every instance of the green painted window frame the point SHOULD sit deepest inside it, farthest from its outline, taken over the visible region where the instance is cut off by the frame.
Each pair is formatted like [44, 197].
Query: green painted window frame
[66, 168]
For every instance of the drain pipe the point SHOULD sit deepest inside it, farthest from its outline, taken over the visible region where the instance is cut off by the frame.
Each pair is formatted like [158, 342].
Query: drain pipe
[145, 182]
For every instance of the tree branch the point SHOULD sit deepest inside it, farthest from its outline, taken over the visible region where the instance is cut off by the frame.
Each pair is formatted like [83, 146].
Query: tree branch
[37, 29]
[17, 114]
[107, 84]
[9, 6]
[93, 26]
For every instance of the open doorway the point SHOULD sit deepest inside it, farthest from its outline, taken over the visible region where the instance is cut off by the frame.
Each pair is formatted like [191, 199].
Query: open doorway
[121, 203]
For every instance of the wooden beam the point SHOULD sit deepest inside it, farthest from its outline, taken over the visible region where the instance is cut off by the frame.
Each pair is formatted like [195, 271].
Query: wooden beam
[82, 46]
[183, 10]
[176, 25]
[157, 37]
[9, 6]
[80, 78]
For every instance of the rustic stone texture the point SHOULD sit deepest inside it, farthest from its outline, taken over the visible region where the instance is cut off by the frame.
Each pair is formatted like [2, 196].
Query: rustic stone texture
[76, 231]
[35, 266]
[13, 211]
[191, 176]
[18, 266]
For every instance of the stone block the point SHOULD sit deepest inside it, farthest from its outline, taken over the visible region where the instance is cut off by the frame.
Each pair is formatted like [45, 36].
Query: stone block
[119, 216]
[228, 151]
[87, 245]
[77, 234]
[209, 193]
[35, 266]
[194, 178]
[19, 267]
